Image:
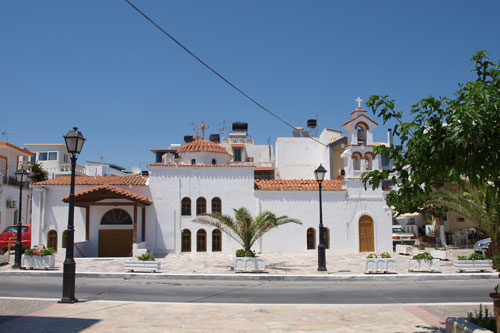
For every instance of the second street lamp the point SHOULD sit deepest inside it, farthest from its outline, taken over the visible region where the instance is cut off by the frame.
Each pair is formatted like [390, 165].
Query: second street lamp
[319, 173]
[74, 143]
[21, 177]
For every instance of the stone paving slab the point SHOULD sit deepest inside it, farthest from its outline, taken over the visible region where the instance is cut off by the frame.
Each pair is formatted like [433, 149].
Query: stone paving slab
[101, 316]
[286, 265]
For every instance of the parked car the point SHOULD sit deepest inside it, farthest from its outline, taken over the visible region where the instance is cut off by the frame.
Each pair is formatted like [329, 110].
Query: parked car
[11, 232]
[482, 245]
[399, 235]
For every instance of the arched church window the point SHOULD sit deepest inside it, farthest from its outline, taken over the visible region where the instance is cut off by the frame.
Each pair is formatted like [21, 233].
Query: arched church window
[311, 239]
[116, 216]
[201, 206]
[368, 161]
[186, 207]
[64, 238]
[326, 234]
[216, 206]
[356, 161]
[52, 239]
[361, 129]
[216, 240]
[186, 240]
[201, 241]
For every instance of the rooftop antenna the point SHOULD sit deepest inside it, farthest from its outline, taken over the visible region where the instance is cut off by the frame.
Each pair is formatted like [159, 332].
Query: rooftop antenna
[222, 128]
[101, 156]
[5, 136]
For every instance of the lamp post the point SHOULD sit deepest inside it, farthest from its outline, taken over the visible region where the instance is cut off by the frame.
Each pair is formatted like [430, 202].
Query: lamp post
[74, 143]
[21, 177]
[319, 173]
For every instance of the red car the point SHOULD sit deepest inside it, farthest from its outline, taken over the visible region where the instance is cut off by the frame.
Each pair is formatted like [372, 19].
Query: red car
[11, 232]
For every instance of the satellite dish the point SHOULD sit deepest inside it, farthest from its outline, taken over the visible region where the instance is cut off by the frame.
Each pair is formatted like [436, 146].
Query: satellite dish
[136, 170]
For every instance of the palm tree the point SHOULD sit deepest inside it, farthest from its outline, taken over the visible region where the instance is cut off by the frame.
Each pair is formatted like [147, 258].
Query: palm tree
[480, 205]
[245, 229]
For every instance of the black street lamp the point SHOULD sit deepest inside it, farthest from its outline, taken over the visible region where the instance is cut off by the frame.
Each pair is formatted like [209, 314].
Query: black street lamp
[21, 177]
[74, 143]
[319, 173]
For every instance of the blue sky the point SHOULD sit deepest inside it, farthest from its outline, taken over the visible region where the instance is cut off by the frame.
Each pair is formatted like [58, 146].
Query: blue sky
[102, 67]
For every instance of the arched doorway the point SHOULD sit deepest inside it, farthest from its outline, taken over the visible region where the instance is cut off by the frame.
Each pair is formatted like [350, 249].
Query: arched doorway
[366, 236]
[115, 242]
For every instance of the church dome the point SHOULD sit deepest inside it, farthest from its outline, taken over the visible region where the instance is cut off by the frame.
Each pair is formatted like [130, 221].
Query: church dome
[203, 146]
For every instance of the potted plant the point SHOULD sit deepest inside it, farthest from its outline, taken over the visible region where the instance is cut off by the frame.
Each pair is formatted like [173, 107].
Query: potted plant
[145, 263]
[474, 262]
[379, 264]
[246, 230]
[38, 258]
[424, 262]
[442, 254]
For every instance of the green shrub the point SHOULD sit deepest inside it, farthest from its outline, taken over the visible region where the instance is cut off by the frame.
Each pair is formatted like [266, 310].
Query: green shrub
[483, 320]
[146, 257]
[495, 260]
[423, 256]
[386, 255]
[477, 256]
[372, 255]
[240, 253]
[463, 258]
[249, 254]
[40, 252]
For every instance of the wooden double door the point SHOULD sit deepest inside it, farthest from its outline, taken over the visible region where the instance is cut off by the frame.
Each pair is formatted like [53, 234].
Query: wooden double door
[115, 243]
[366, 235]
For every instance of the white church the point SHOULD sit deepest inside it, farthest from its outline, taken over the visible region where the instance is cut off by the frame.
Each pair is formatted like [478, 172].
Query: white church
[115, 214]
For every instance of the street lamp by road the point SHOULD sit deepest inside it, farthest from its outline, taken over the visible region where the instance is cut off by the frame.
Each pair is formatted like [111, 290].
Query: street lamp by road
[319, 173]
[21, 177]
[74, 143]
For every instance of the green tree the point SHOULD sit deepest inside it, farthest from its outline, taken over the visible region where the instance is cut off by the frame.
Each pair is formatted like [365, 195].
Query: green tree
[481, 206]
[446, 140]
[245, 229]
[38, 174]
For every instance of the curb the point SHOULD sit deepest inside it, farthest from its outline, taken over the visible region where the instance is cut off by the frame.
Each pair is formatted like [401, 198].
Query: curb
[262, 277]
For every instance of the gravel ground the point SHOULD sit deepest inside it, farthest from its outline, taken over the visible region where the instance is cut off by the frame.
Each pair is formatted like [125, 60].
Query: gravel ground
[13, 308]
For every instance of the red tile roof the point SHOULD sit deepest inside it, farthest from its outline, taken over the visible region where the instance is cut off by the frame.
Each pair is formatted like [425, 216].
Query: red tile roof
[173, 165]
[110, 191]
[297, 185]
[25, 151]
[361, 115]
[97, 180]
[203, 145]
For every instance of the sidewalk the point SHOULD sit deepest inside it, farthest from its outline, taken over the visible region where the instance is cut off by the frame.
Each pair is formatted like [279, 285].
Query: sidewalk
[278, 266]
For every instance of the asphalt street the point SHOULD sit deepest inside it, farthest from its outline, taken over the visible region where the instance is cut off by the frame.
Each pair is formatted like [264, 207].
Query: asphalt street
[250, 292]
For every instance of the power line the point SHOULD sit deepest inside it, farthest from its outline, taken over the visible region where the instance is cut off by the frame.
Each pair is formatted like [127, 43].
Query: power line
[211, 69]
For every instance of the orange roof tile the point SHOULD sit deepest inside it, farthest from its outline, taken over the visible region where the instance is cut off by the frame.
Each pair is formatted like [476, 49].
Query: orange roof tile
[109, 190]
[25, 151]
[97, 180]
[361, 115]
[173, 165]
[203, 145]
[297, 185]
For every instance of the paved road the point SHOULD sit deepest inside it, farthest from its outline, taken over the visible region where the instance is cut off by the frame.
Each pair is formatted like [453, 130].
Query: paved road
[260, 292]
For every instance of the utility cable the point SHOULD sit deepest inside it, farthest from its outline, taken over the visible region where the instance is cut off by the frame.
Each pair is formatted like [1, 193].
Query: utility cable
[211, 69]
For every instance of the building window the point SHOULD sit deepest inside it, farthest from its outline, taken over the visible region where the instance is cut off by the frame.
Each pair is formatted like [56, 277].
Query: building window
[33, 159]
[216, 240]
[216, 206]
[52, 239]
[311, 239]
[64, 238]
[42, 156]
[186, 241]
[214, 161]
[201, 241]
[326, 234]
[368, 162]
[116, 216]
[193, 161]
[385, 160]
[460, 219]
[66, 159]
[237, 154]
[201, 206]
[52, 156]
[186, 207]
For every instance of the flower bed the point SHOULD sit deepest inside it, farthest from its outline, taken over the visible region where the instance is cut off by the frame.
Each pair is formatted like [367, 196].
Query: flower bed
[424, 262]
[383, 264]
[249, 264]
[38, 258]
[144, 263]
[475, 262]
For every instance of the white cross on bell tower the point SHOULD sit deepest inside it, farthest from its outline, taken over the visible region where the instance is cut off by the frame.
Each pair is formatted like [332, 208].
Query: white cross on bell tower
[359, 100]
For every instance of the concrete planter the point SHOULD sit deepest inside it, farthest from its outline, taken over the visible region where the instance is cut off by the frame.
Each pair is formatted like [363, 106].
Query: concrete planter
[249, 264]
[472, 265]
[379, 265]
[44, 262]
[404, 249]
[442, 254]
[142, 266]
[421, 265]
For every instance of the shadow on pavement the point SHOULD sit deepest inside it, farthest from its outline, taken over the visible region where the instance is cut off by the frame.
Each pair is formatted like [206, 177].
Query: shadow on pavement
[44, 324]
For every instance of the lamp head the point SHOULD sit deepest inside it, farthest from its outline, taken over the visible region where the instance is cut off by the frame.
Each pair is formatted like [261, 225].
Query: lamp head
[74, 141]
[319, 173]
